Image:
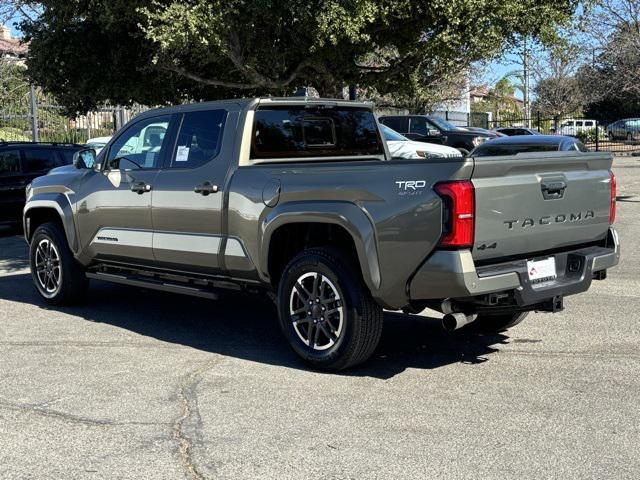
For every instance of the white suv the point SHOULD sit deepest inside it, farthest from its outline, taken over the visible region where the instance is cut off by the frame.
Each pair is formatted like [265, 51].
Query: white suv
[572, 127]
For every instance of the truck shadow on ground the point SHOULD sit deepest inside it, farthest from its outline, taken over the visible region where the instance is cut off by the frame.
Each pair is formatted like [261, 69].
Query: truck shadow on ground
[13, 255]
[246, 327]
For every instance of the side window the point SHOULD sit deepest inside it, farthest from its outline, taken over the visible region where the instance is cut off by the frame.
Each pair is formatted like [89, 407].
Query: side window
[39, 160]
[141, 145]
[199, 138]
[9, 162]
[399, 124]
[418, 126]
[588, 124]
[578, 123]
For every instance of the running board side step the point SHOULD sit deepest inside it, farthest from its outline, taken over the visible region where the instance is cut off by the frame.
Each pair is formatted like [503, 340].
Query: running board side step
[154, 284]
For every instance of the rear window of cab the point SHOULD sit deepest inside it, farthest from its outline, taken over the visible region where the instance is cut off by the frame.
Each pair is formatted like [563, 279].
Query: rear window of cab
[314, 131]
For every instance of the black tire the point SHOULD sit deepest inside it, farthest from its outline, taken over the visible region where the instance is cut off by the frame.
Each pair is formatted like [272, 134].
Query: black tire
[72, 283]
[360, 327]
[497, 323]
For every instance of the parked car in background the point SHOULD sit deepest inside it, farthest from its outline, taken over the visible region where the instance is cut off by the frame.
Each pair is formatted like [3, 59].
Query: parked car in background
[423, 128]
[573, 127]
[512, 131]
[20, 163]
[401, 147]
[483, 131]
[97, 143]
[625, 129]
[527, 144]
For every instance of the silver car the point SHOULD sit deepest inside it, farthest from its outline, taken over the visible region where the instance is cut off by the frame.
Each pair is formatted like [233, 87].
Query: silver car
[625, 129]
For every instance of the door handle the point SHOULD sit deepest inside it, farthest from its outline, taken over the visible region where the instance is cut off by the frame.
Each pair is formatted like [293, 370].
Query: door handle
[206, 188]
[140, 187]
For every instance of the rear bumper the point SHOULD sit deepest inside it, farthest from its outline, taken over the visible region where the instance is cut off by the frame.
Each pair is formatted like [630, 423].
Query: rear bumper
[453, 274]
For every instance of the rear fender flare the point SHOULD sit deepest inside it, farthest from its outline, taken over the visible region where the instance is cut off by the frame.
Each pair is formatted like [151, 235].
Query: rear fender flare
[347, 215]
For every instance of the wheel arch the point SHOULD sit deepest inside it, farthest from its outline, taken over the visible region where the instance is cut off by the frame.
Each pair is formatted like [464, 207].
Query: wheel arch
[345, 220]
[50, 207]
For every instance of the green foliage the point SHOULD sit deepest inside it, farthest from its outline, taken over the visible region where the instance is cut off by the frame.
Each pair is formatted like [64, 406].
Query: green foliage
[589, 136]
[156, 51]
[13, 134]
[500, 101]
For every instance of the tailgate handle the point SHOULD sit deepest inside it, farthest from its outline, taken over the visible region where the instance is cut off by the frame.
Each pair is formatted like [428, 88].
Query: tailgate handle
[553, 189]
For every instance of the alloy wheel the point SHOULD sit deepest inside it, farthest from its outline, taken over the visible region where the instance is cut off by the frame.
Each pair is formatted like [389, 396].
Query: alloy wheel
[48, 268]
[316, 311]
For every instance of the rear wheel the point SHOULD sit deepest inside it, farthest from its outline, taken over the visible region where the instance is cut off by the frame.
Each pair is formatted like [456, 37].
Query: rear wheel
[326, 312]
[497, 323]
[57, 276]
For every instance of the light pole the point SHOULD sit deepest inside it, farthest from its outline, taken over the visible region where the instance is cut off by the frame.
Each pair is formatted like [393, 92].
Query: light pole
[526, 78]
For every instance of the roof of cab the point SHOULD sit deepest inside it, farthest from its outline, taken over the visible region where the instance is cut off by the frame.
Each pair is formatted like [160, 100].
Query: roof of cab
[240, 104]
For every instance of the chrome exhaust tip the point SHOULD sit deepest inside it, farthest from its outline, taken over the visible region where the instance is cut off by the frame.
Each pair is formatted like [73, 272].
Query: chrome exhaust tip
[455, 320]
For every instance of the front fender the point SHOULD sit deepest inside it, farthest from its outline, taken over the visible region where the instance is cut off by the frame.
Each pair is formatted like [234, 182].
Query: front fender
[347, 215]
[53, 201]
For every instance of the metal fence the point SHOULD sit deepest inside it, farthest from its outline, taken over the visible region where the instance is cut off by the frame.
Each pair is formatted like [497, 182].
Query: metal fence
[613, 135]
[34, 117]
[464, 119]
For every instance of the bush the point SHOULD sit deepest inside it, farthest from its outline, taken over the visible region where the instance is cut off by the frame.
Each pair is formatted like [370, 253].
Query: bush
[13, 134]
[589, 136]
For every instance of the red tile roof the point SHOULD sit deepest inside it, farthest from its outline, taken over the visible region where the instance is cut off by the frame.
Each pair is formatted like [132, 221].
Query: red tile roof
[14, 46]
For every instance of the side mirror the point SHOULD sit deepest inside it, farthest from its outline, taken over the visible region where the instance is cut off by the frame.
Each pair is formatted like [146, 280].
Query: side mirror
[85, 158]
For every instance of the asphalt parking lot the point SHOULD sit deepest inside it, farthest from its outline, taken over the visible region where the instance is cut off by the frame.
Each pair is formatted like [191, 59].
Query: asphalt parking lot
[140, 384]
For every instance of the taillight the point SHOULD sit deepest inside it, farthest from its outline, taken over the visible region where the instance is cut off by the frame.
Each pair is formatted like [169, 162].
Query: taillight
[460, 205]
[612, 204]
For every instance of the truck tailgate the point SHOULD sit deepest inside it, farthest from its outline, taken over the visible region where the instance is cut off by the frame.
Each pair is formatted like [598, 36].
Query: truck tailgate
[536, 202]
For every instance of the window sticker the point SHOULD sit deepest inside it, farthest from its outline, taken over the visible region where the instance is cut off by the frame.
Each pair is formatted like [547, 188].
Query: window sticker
[182, 155]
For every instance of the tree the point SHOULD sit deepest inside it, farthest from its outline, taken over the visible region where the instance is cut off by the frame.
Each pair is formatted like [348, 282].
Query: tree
[558, 89]
[155, 51]
[610, 76]
[501, 101]
[13, 9]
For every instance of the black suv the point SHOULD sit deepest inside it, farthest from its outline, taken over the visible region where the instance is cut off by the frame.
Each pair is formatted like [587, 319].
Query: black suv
[423, 128]
[21, 162]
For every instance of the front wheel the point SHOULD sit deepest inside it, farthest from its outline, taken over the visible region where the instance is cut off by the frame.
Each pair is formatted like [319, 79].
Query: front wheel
[497, 323]
[326, 312]
[57, 276]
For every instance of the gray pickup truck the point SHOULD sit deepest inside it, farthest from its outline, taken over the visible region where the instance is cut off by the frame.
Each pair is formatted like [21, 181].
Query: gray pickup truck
[300, 199]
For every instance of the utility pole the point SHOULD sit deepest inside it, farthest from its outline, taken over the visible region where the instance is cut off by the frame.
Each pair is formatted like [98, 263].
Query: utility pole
[526, 76]
[33, 101]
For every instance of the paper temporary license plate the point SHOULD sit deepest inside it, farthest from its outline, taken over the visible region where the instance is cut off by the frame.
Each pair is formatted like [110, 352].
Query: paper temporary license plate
[542, 270]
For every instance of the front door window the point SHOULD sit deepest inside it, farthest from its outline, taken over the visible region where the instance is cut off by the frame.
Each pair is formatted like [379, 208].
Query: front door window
[141, 146]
